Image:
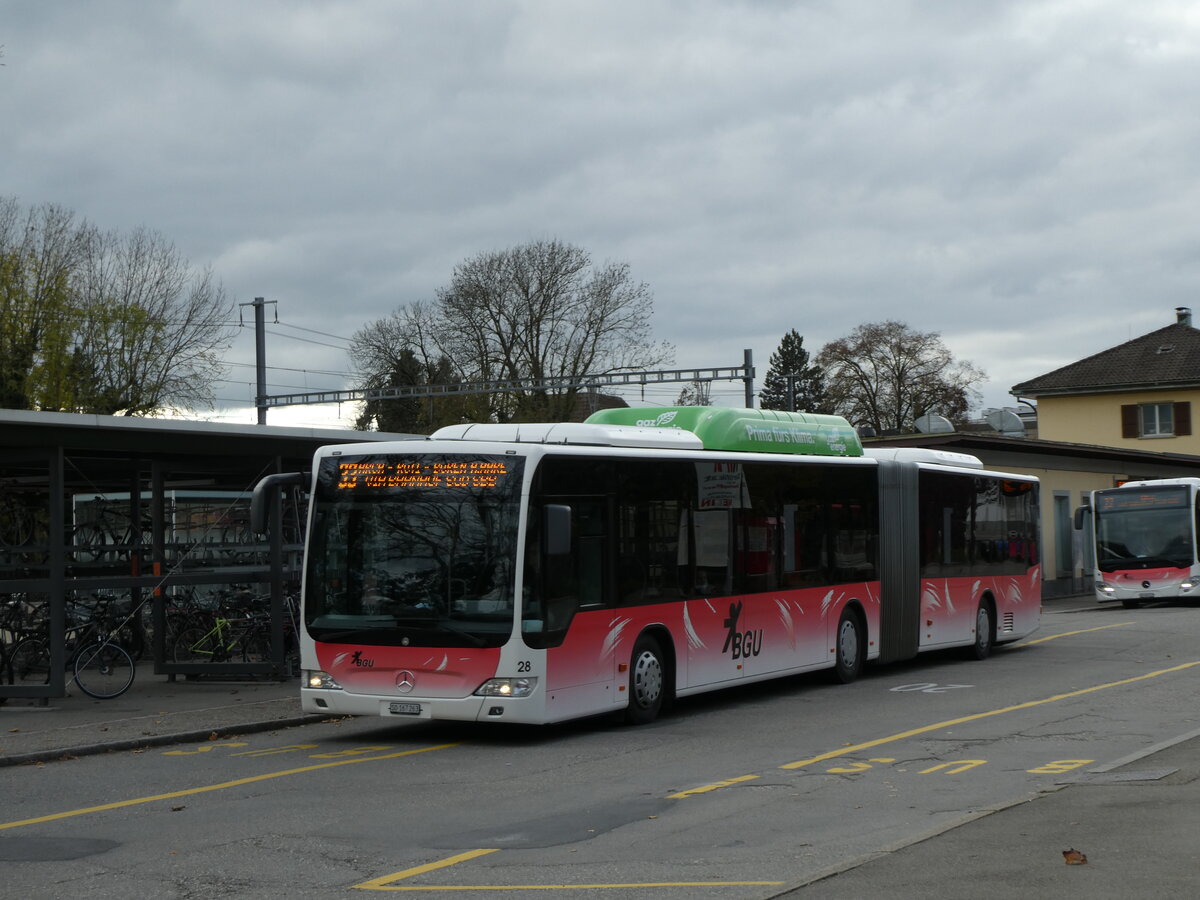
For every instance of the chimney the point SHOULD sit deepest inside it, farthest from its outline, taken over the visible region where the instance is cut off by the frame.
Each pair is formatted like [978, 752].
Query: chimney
[1183, 315]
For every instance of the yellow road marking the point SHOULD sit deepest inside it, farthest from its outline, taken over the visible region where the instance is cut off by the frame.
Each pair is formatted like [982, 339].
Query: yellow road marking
[568, 887]
[238, 782]
[1055, 637]
[711, 787]
[381, 884]
[878, 742]
[388, 882]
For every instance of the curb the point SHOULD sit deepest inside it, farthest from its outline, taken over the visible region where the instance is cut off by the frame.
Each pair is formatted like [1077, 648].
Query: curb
[156, 740]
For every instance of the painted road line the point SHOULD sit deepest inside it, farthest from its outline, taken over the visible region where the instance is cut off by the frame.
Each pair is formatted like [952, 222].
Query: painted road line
[1055, 637]
[975, 717]
[711, 787]
[384, 883]
[570, 887]
[224, 785]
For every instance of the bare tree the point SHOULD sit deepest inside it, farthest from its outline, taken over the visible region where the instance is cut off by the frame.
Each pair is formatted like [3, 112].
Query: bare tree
[39, 250]
[540, 310]
[153, 328]
[695, 393]
[396, 351]
[887, 375]
[101, 322]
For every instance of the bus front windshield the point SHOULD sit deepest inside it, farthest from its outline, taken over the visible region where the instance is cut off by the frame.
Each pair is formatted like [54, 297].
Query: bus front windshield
[1144, 528]
[413, 550]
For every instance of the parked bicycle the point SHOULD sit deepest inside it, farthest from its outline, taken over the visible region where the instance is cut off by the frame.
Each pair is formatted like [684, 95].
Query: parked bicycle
[101, 667]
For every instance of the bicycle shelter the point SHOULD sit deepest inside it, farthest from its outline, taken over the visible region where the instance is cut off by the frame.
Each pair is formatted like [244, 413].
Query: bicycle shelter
[137, 513]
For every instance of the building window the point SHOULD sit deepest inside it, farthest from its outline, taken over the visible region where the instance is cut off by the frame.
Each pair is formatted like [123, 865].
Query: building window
[1151, 420]
[1157, 420]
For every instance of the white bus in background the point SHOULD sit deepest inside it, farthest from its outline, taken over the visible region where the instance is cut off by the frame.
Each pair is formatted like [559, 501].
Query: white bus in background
[539, 573]
[1144, 540]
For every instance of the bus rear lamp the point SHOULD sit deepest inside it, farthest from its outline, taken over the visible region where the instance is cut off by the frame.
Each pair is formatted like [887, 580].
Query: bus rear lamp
[507, 687]
[321, 681]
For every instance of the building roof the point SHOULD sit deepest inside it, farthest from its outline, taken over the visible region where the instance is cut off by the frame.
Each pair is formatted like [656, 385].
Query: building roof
[1163, 359]
[1005, 452]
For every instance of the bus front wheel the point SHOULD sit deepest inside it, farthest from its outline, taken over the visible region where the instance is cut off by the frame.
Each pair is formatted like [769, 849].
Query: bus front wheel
[984, 632]
[647, 682]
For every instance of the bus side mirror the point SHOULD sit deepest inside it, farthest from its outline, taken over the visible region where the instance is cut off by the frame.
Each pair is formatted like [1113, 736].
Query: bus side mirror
[556, 529]
[264, 492]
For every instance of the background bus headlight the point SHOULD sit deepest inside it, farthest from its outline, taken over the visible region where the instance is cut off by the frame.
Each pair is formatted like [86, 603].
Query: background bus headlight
[1105, 588]
[321, 681]
[507, 687]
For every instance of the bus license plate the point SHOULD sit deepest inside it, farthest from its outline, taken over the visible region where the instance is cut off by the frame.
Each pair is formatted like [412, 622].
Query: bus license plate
[405, 709]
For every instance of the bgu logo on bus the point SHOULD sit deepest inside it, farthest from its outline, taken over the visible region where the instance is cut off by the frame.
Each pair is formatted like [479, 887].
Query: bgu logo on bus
[743, 644]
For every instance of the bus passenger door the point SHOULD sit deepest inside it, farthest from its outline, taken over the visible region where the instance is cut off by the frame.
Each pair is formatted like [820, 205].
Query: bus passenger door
[575, 598]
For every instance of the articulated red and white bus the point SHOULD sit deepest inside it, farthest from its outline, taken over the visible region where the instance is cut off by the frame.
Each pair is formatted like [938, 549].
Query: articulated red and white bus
[1145, 540]
[539, 573]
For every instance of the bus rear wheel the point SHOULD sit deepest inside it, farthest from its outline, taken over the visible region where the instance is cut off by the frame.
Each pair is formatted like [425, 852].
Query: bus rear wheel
[647, 682]
[848, 651]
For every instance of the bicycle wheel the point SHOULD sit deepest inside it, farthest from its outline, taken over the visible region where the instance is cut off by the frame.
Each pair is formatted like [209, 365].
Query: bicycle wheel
[104, 670]
[6, 672]
[192, 644]
[256, 646]
[30, 661]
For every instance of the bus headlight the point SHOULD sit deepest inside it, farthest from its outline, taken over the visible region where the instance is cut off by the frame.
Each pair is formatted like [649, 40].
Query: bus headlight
[1186, 585]
[320, 681]
[507, 687]
[1106, 588]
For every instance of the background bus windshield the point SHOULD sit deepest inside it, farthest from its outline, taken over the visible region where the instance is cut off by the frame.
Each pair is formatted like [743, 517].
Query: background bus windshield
[415, 550]
[1144, 529]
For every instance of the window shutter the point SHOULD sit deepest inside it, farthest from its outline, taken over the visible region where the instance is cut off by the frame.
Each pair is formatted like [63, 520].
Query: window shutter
[1183, 419]
[1130, 427]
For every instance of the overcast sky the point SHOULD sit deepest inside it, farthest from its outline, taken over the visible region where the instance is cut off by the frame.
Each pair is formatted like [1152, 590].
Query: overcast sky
[1020, 177]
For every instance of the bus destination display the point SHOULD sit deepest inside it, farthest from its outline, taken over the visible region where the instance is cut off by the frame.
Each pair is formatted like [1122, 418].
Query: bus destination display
[420, 474]
[1129, 500]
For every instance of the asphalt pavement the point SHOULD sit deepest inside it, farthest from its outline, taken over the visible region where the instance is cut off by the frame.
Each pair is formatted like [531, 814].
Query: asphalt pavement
[1134, 825]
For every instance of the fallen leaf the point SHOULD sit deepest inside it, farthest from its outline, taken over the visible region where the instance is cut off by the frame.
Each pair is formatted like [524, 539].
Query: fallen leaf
[1074, 857]
[213, 736]
[177, 809]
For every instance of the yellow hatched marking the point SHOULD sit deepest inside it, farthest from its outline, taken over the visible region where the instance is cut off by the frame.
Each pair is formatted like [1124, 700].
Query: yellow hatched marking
[878, 742]
[711, 787]
[237, 782]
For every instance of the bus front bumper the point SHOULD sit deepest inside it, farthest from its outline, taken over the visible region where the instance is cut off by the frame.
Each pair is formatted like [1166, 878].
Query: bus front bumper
[459, 709]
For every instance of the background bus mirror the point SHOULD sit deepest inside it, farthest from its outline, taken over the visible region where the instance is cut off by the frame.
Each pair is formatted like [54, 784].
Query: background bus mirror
[556, 529]
[1080, 512]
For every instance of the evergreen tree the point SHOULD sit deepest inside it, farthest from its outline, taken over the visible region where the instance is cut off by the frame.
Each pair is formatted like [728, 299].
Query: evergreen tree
[790, 363]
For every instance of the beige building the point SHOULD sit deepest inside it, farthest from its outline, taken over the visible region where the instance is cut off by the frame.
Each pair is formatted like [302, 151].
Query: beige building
[1137, 395]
